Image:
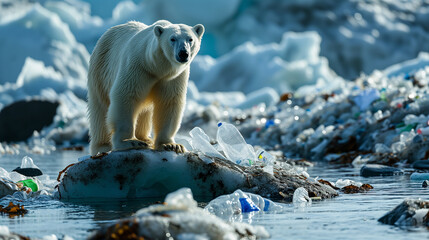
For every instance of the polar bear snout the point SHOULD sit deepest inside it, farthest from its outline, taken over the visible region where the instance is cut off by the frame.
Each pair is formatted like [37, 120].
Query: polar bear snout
[183, 56]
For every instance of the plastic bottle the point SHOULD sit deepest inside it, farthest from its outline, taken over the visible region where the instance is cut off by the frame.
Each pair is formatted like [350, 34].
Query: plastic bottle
[201, 142]
[267, 159]
[233, 145]
[241, 202]
[423, 131]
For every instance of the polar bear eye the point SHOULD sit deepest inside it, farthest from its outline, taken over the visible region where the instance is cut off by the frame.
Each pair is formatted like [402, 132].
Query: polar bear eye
[190, 40]
[173, 39]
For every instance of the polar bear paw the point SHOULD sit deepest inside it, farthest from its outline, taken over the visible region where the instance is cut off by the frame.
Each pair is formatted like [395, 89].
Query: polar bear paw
[131, 144]
[178, 148]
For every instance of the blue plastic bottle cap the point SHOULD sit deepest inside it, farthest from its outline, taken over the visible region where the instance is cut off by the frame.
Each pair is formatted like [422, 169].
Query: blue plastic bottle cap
[247, 205]
[219, 124]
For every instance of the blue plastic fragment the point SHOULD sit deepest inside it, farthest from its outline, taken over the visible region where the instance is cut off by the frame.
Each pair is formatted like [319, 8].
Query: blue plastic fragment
[248, 206]
[269, 123]
[267, 205]
[219, 124]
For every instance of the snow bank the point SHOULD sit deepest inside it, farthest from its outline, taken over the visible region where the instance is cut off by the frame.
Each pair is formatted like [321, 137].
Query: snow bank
[286, 66]
[41, 35]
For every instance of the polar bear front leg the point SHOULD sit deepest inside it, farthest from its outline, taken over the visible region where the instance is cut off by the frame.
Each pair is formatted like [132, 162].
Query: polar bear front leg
[167, 117]
[121, 119]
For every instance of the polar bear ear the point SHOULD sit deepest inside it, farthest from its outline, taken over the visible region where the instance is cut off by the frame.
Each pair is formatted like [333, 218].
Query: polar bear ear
[199, 29]
[158, 30]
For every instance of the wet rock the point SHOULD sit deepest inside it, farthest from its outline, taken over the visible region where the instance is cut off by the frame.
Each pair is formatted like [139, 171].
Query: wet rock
[411, 212]
[19, 120]
[425, 183]
[350, 189]
[178, 218]
[7, 187]
[373, 170]
[148, 173]
[421, 164]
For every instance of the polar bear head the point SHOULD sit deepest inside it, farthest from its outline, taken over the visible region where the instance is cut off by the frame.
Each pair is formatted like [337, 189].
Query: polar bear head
[179, 42]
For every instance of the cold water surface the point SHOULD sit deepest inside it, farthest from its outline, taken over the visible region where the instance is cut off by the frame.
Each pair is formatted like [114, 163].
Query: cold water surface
[351, 216]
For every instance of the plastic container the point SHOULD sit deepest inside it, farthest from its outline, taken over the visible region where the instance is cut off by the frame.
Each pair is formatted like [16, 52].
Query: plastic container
[30, 183]
[234, 146]
[201, 142]
[300, 196]
[423, 131]
[241, 202]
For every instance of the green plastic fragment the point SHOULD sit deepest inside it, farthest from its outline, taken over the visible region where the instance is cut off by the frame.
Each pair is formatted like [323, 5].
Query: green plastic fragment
[30, 183]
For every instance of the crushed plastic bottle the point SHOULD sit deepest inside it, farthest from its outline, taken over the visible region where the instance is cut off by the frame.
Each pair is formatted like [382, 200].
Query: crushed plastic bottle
[267, 159]
[240, 202]
[300, 196]
[234, 146]
[201, 142]
[366, 97]
[423, 131]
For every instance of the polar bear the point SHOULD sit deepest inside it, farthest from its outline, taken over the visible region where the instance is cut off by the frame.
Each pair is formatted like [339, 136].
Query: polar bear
[137, 79]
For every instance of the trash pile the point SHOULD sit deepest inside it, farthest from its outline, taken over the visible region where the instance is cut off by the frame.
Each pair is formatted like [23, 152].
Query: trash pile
[23, 181]
[381, 118]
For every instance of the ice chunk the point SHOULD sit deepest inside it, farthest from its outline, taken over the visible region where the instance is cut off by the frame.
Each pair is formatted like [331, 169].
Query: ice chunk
[419, 176]
[266, 95]
[300, 196]
[234, 146]
[4, 230]
[181, 198]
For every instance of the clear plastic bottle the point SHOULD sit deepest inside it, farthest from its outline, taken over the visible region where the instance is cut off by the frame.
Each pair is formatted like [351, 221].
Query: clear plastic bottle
[233, 145]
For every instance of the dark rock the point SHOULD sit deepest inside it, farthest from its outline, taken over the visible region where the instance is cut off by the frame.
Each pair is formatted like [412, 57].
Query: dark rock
[418, 139]
[411, 212]
[421, 164]
[19, 120]
[351, 189]
[373, 170]
[425, 183]
[145, 173]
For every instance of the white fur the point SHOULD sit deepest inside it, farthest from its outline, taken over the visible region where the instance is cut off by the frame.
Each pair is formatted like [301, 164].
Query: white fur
[136, 81]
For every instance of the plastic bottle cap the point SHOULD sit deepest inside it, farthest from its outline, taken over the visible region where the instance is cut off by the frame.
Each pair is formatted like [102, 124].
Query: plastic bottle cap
[219, 124]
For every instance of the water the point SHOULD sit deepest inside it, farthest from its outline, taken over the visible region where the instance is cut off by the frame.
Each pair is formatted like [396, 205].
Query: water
[352, 216]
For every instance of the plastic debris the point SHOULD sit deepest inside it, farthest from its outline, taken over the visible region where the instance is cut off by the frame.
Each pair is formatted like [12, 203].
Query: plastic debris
[28, 168]
[179, 216]
[201, 142]
[30, 183]
[240, 202]
[366, 97]
[300, 196]
[233, 145]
